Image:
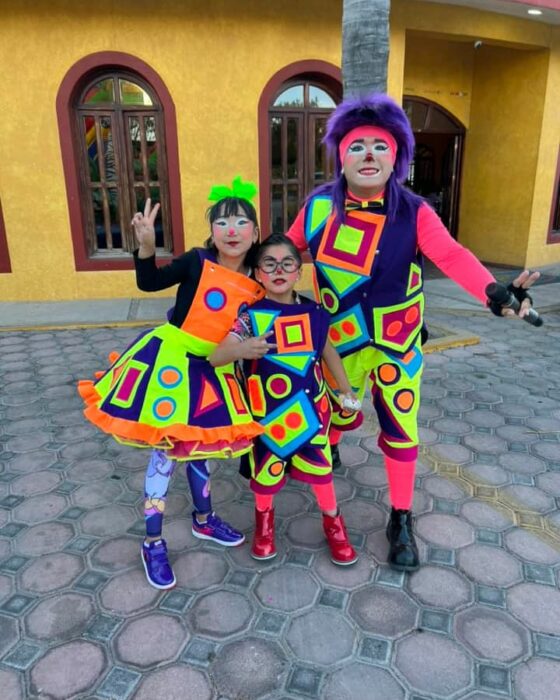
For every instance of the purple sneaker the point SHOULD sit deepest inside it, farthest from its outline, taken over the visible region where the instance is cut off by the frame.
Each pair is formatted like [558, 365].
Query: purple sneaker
[156, 565]
[217, 530]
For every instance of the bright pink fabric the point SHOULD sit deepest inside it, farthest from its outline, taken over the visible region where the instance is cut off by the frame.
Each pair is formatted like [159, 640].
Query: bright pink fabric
[296, 232]
[458, 263]
[363, 132]
[400, 476]
[325, 495]
[436, 243]
[263, 501]
[334, 436]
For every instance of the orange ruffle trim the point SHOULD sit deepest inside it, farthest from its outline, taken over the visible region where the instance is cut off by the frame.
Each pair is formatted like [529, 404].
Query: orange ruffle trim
[160, 437]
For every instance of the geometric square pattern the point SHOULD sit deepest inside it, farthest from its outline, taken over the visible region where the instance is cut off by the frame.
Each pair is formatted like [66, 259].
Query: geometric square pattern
[348, 330]
[293, 334]
[395, 326]
[291, 425]
[351, 246]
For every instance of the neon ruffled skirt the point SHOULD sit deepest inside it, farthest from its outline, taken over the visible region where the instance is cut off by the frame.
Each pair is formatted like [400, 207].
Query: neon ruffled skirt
[159, 394]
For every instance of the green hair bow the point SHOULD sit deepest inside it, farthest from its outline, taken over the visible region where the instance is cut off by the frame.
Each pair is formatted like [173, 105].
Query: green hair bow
[239, 189]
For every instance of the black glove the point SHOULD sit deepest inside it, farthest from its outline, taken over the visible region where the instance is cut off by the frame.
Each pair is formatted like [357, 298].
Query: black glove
[518, 292]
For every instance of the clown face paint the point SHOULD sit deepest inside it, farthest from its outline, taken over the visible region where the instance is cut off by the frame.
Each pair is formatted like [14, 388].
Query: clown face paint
[233, 236]
[368, 164]
[275, 278]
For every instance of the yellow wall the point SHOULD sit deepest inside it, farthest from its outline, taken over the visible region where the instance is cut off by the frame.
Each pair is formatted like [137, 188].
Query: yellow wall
[538, 252]
[510, 109]
[501, 152]
[215, 57]
[440, 71]
[457, 23]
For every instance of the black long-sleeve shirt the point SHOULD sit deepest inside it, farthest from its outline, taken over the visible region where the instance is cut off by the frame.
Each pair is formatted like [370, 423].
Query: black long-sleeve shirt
[185, 271]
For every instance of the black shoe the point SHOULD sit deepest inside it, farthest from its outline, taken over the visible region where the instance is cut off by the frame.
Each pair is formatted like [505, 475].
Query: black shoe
[403, 552]
[336, 461]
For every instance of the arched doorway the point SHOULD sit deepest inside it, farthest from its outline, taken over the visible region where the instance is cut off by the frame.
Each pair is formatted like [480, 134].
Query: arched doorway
[436, 169]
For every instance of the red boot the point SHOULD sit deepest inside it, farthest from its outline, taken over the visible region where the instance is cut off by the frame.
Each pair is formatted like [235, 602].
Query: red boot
[342, 552]
[263, 546]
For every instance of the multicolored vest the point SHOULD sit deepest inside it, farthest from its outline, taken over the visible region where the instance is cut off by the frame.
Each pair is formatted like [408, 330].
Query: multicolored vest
[287, 393]
[369, 275]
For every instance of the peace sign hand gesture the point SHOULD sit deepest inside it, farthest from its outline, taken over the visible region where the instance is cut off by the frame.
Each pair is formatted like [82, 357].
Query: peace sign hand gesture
[144, 229]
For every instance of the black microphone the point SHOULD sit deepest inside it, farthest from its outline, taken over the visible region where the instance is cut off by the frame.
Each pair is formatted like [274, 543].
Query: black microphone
[501, 295]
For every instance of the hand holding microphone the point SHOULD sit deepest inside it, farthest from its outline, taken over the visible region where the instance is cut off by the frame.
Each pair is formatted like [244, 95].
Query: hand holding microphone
[510, 297]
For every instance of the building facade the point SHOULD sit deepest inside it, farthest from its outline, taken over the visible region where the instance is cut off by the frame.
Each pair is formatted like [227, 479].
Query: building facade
[107, 104]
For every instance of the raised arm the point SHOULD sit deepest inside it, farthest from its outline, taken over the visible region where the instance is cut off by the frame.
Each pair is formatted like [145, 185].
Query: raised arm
[150, 277]
[458, 263]
[462, 266]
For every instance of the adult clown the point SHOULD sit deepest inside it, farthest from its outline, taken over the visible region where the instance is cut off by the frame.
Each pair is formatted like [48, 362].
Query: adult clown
[367, 235]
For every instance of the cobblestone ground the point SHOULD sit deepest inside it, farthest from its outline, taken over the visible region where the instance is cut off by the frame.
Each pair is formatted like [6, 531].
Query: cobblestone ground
[479, 620]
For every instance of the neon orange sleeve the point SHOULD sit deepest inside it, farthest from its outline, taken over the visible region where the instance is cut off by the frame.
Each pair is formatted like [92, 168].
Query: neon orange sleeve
[458, 263]
[296, 232]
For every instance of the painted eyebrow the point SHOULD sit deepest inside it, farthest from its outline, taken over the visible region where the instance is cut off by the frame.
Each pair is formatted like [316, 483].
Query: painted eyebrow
[376, 140]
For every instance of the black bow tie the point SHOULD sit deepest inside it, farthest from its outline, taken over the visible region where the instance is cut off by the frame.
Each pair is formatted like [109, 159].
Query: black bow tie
[365, 205]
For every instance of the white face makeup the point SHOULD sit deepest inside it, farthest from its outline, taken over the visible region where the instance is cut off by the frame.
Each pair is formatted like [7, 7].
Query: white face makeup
[233, 235]
[368, 165]
[278, 271]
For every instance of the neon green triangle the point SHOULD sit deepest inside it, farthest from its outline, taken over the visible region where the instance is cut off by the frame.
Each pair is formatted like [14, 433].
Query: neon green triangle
[322, 208]
[262, 320]
[341, 280]
[298, 362]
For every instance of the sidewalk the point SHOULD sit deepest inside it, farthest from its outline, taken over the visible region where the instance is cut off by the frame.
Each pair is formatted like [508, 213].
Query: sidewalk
[441, 293]
[480, 620]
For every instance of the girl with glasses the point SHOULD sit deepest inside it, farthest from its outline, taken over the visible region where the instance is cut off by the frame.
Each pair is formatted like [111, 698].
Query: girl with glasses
[283, 339]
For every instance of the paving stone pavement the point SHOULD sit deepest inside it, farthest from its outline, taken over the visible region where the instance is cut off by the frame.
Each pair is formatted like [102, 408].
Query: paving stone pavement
[480, 620]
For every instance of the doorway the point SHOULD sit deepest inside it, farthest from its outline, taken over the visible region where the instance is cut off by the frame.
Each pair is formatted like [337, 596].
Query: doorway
[435, 171]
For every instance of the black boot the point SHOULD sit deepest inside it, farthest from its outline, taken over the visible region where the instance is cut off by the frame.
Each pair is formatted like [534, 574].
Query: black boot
[336, 461]
[403, 552]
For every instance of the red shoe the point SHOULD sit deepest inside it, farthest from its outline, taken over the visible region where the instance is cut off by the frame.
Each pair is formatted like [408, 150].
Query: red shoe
[263, 546]
[342, 552]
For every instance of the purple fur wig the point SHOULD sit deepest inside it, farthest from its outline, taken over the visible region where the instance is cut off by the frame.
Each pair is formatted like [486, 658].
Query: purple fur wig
[372, 110]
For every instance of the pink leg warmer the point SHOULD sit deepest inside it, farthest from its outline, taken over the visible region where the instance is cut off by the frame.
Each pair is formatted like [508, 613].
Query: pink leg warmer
[400, 476]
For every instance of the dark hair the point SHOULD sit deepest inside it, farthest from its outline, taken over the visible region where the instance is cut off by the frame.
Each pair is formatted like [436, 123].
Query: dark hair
[230, 206]
[372, 110]
[277, 239]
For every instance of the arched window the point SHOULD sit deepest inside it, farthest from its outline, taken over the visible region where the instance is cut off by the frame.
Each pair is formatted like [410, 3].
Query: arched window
[121, 143]
[119, 147]
[298, 160]
[298, 102]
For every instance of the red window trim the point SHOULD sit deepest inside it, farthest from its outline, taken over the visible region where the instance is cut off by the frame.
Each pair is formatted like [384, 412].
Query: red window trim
[64, 103]
[5, 265]
[321, 71]
[554, 234]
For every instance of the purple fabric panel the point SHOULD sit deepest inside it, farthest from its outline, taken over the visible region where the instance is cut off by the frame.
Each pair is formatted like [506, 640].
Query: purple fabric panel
[148, 355]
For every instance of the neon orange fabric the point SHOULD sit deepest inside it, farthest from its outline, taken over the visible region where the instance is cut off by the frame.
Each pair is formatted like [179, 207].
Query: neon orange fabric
[237, 289]
[158, 436]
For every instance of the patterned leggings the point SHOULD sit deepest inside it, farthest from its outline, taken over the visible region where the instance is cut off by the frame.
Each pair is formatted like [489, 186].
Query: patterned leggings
[156, 484]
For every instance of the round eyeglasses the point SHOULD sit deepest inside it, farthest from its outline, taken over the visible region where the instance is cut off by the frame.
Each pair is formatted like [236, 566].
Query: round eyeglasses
[270, 265]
